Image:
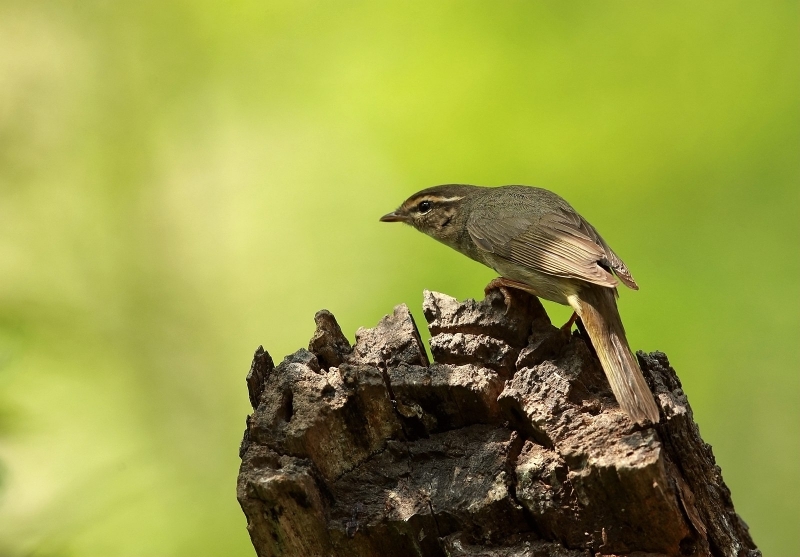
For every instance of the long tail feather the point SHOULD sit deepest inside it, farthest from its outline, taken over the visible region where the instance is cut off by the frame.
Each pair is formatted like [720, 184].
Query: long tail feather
[597, 308]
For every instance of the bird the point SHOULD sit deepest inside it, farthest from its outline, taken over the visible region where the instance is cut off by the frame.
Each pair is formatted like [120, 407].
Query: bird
[538, 243]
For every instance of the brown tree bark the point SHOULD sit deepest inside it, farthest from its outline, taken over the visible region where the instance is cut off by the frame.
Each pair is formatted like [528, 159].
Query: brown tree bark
[511, 443]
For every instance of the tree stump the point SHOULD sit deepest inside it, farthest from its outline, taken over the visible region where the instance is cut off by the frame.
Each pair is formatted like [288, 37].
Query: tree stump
[510, 444]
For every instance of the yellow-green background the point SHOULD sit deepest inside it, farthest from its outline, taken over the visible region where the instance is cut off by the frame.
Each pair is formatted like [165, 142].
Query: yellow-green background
[183, 181]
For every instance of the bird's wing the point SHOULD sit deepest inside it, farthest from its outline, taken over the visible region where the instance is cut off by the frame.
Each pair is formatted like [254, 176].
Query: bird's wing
[560, 243]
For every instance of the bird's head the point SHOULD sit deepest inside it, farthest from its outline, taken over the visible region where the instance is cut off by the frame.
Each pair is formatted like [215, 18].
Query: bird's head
[439, 211]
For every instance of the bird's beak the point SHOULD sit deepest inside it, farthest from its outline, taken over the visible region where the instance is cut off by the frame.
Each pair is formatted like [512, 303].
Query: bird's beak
[393, 217]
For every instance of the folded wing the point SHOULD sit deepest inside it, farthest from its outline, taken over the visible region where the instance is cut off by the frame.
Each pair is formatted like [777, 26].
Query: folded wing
[560, 243]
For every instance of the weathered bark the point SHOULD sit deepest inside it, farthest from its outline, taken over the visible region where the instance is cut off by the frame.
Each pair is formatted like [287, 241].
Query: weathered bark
[511, 443]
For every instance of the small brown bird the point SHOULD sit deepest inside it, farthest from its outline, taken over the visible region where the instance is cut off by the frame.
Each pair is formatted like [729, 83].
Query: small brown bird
[538, 243]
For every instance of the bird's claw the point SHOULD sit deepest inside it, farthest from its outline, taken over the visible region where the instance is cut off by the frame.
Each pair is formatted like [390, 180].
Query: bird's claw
[503, 285]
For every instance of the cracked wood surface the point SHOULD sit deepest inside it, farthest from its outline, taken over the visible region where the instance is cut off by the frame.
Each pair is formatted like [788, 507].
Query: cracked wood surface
[509, 444]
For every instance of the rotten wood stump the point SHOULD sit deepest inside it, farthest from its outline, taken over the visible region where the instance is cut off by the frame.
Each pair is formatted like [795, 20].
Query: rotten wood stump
[510, 444]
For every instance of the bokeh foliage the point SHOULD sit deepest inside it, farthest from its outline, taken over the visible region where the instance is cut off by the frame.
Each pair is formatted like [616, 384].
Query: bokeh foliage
[182, 181]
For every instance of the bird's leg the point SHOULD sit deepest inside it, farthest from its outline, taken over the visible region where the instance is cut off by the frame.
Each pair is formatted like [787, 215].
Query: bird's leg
[503, 284]
[566, 327]
[586, 337]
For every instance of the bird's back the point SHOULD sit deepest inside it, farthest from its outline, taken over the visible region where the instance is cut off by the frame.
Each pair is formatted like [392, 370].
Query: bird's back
[528, 202]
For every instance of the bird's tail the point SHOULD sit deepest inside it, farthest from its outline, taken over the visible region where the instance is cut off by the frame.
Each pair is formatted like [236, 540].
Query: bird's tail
[597, 308]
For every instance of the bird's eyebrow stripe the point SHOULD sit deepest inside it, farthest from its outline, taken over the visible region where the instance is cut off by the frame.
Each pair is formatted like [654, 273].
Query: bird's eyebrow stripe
[436, 198]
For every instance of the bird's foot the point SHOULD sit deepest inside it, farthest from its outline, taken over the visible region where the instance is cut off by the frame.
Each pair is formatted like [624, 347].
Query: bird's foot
[503, 285]
[567, 327]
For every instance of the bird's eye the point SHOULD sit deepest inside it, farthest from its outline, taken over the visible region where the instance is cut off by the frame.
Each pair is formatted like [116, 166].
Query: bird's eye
[424, 206]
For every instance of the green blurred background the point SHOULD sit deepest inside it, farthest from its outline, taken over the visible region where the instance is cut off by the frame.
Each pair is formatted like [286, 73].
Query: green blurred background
[183, 181]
